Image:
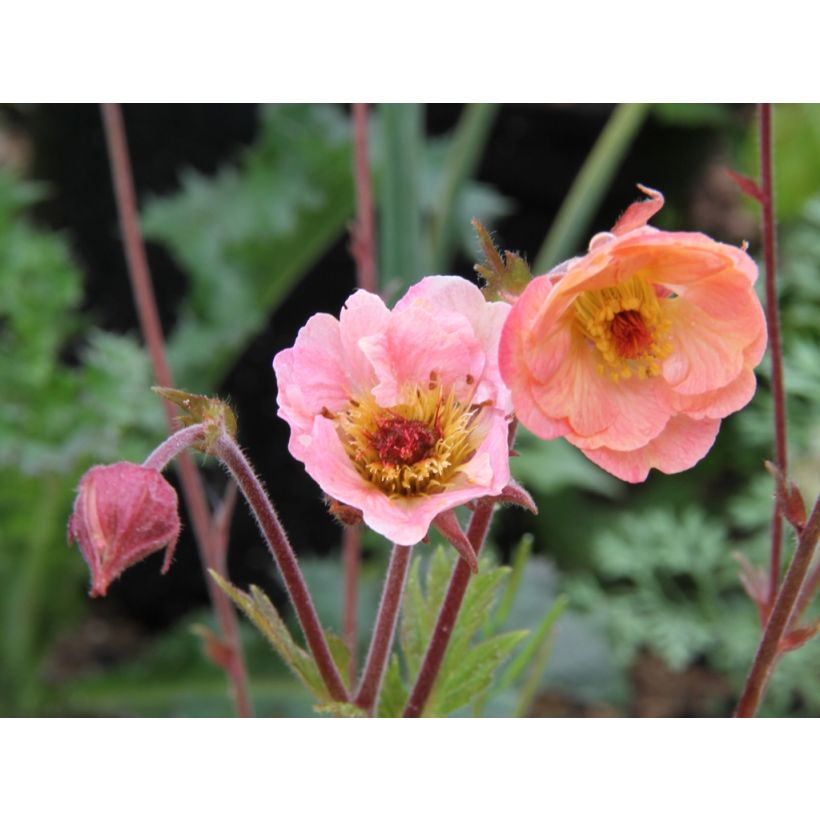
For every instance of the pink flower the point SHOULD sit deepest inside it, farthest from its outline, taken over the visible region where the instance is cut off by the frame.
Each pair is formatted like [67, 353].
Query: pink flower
[636, 351]
[122, 513]
[401, 414]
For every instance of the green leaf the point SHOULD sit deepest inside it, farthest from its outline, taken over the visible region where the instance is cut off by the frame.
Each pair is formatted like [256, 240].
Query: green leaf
[340, 652]
[340, 709]
[393, 694]
[261, 612]
[466, 677]
[246, 234]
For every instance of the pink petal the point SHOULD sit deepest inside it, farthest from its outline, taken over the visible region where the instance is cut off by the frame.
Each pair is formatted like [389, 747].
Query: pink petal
[363, 315]
[418, 342]
[681, 445]
[600, 411]
[486, 319]
[517, 350]
[717, 404]
[639, 213]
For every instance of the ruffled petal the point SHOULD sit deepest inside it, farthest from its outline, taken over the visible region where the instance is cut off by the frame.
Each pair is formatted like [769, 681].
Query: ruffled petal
[486, 319]
[682, 444]
[420, 342]
[717, 404]
[600, 411]
[364, 314]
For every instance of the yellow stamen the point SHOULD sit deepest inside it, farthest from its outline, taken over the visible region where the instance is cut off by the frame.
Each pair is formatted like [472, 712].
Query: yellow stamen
[414, 448]
[627, 325]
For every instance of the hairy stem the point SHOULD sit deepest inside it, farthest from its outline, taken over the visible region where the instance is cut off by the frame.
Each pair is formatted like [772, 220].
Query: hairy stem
[384, 630]
[145, 301]
[448, 614]
[769, 650]
[351, 549]
[773, 323]
[228, 451]
[175, 445]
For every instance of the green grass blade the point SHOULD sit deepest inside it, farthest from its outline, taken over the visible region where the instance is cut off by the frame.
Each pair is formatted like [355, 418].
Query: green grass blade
[573, 219]
[402, 261]
[464, 154]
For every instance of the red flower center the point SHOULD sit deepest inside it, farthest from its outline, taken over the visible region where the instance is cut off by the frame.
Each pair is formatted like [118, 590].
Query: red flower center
[630, 334]
[401, 441]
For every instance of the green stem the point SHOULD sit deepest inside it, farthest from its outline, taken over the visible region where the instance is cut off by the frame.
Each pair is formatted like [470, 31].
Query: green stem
[590, 185]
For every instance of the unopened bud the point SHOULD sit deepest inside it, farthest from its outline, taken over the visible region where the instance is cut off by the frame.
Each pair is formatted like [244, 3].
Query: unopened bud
[123, 512]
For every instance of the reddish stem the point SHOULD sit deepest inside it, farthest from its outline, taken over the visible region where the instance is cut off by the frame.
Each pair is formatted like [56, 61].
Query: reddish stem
[773, 322]
[363, 246]
[351, 549]
[143, 292]
[385, 628]
[363, 250]
[227, 450]
[448, 614]
[769, 650]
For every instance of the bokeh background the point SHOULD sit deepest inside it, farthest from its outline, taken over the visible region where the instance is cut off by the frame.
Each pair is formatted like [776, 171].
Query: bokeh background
[245, 210]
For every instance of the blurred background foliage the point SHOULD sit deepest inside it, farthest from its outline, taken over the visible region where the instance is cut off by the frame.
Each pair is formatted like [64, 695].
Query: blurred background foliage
[625, 600]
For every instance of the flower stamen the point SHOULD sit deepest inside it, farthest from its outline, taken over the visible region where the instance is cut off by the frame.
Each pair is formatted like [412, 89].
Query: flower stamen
[627, 325]
[415, 448]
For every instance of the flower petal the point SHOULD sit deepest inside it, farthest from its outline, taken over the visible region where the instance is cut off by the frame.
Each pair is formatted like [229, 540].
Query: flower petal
[682, 444]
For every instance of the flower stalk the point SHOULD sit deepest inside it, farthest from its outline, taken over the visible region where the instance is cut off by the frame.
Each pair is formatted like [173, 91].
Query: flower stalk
[145, 301]
[769, 650]
[773, 325]
[384, 630]
[229, 453]
[448, 614]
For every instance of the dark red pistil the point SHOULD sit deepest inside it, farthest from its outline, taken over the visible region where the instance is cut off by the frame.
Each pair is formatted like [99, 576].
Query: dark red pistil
[400, 441]
[630, 334]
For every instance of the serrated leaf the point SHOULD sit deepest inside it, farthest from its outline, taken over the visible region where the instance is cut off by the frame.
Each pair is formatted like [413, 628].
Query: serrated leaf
[462, 681]
[262, 613]
[246, 234]
[393, 695]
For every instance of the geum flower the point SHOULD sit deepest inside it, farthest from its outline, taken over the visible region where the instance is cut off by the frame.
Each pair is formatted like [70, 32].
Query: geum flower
[636, 351]
[401, 414]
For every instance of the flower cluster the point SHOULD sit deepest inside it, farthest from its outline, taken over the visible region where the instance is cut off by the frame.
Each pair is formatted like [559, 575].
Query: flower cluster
[633, 353]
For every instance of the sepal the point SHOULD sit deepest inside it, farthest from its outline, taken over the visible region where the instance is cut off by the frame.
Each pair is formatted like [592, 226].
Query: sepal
[447, 524]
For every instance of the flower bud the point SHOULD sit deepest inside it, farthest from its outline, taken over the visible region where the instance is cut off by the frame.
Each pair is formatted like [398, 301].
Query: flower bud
[123, 512]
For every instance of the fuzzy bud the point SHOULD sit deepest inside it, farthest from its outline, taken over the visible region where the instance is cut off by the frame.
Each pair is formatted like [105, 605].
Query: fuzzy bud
[123, 512]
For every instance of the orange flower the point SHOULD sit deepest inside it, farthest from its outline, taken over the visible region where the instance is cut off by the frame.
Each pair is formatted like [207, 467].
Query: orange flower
[635, 351]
